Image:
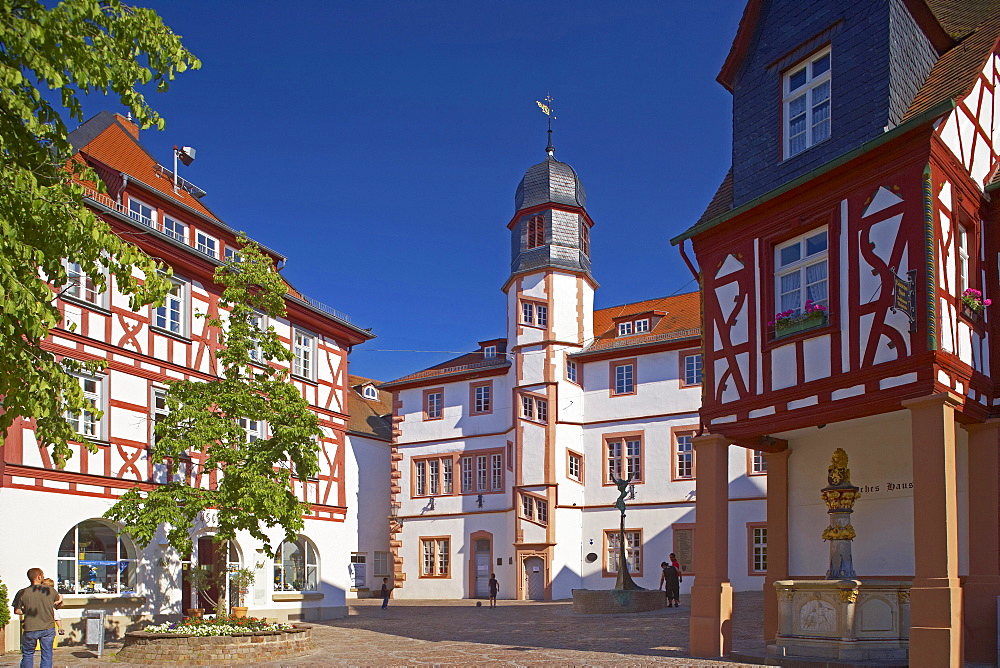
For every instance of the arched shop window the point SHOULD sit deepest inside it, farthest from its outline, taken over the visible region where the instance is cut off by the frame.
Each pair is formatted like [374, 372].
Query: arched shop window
[94, 559]
[296, 566]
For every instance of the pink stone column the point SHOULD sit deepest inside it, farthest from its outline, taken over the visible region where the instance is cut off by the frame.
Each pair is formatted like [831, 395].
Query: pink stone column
[712, 593]
[982, 586]
[936, 594]
[777, 536]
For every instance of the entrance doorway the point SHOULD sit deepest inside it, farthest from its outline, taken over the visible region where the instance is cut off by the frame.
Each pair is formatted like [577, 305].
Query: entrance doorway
[534, 579]
[484, 554]
[221, 559]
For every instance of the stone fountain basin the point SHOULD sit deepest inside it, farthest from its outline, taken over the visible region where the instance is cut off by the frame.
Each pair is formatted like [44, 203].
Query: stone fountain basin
[617, 601]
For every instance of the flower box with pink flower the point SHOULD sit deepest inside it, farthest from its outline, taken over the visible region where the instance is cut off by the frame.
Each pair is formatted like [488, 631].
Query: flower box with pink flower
[793, 321]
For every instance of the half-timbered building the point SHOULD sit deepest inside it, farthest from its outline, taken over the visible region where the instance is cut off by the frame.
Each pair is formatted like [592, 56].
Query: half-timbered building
[52, 517]
[845, 261]
[504, 459]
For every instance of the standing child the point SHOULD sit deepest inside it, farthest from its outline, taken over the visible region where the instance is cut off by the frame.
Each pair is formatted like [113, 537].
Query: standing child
[385, 593]
[494, 590]
[49, 582]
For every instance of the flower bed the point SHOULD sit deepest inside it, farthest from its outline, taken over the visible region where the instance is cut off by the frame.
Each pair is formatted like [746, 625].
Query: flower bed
[214, 642]
[217, 626]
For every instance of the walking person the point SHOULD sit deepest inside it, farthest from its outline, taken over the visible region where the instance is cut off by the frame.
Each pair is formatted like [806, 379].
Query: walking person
[37, 603]
[670, 579]
[385, 593]
[494, 590]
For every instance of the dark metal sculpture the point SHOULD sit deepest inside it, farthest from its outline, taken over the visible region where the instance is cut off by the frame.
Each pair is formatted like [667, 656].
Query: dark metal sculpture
[624, 580]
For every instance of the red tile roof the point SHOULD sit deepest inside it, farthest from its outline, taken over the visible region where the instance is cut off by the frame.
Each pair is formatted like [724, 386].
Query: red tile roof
[118, 148]
[955, 72]
[722, 201]
[365, 416]
[682, 319]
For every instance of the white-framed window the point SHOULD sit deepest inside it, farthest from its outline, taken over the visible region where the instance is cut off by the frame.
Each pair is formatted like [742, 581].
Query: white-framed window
[173, 315]
[420, 478]
[683, 457]
[633, 551]
[206, 244]
[482, 398]
[434, 476]
[534, 314]
[624, 458]
[230, 254]
[255, 429]
[142, 213]
[572, 374]
[642, 326]
[489, 352]
[86, 422]
[95, 559]
[534, 508]
[575, 466]
[624, 378]
[533, 408]
[801, 273]
[496, 472]
[758, 464]
[758, 546]
[624, 328]
[963, 260]
[304, 350]
[436, 557]
[259, 323]
[369, 392]
[433, 404]
[158, 410]
[175, 229]
[467, 474]
[806, 103]
[447, 476]
[80, 286]
[692, 369]
[482, 473]
[380, 564]
[296, 566]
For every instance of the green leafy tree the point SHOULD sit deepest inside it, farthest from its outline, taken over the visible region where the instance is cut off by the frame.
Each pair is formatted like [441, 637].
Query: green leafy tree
[77, 46]
[253, 489]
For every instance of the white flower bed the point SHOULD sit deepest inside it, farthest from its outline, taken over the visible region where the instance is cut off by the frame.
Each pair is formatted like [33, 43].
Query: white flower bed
[214, 629]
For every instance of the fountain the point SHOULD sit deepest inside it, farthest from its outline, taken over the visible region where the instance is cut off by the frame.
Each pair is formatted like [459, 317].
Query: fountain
[842, 617]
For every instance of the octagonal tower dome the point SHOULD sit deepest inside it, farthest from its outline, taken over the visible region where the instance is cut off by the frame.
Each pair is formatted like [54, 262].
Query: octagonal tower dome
[549, 181]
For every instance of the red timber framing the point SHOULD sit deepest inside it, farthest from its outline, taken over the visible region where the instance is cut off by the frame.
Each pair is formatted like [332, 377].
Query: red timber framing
[141, 358]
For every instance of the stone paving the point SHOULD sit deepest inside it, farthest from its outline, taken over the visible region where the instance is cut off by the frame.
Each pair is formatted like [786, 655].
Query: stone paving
[517, 633]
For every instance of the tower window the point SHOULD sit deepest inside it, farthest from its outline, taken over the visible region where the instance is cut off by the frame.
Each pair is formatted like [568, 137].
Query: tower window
[585, 239]
[536, 232]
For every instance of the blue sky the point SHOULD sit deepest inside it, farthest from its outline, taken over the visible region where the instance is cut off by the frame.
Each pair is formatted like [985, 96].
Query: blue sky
[378, 145]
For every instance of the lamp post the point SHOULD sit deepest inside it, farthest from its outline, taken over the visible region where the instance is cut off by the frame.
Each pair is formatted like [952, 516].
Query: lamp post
[395, 521]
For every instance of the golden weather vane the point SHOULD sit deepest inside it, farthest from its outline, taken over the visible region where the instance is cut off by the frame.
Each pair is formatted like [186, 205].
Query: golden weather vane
[546, 108]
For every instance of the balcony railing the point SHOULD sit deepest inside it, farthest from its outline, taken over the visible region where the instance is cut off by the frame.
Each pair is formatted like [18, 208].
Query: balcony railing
[428, 373]
[146, 221]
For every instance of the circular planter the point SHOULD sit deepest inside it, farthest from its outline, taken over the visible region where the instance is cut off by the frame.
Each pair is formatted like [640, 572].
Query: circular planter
[240, 648]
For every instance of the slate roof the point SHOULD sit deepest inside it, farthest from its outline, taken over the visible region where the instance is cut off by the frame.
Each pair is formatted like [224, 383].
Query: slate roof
[368, 417]
[547, 182]
[682, 320]
[976, 26]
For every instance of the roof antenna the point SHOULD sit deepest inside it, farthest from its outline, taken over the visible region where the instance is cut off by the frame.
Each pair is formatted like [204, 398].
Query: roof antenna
[546, 108]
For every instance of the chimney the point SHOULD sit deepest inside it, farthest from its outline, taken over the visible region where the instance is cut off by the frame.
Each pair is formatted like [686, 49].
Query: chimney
[129, 125]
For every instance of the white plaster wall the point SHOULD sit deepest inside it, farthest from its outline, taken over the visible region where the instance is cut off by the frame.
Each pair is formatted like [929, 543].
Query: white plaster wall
[568, 554]
[366, 481]
[881, 465]
[658, 388]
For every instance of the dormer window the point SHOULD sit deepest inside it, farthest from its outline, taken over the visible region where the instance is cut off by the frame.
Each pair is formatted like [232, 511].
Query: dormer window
[142, 213]
[369, 392]
[536, 232]
[806, 103]
[624, 328]
[642, 326]
[489, 352]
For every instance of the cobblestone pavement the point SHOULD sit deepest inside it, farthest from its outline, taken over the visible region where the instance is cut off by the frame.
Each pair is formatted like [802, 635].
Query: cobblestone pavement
[517, 633]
